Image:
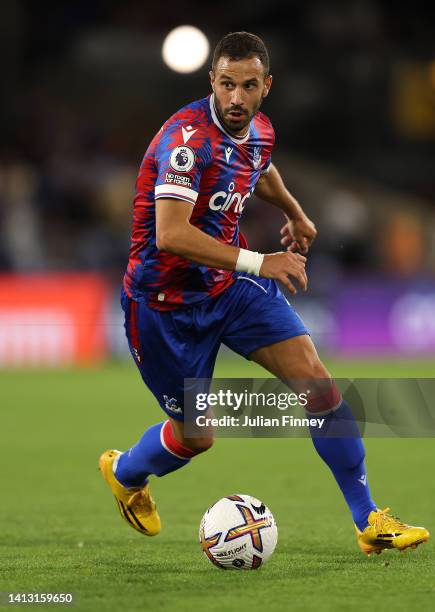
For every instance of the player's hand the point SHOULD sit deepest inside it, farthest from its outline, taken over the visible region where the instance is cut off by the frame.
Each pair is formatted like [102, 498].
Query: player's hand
[298, 234]
[282, 265]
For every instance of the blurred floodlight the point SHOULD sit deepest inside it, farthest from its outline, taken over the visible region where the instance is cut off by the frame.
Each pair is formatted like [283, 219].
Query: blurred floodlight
[185, 49]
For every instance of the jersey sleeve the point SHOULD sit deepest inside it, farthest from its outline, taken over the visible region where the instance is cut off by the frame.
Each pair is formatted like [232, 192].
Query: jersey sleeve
[267, 135]
[181, 156]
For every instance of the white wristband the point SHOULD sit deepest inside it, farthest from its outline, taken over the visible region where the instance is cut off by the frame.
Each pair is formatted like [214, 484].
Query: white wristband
[249, 261]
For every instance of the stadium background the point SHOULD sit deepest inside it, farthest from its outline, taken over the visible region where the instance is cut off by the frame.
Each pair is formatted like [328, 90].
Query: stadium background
[84, 90]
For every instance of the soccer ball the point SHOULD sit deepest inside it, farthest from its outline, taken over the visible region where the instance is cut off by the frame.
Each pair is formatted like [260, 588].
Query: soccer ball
[238, 532]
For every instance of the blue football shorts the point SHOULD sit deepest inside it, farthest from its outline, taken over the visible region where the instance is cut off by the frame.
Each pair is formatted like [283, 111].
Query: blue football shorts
[171, 346]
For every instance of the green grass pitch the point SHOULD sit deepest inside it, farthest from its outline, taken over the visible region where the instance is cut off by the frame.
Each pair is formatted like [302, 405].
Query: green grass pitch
[61, 531]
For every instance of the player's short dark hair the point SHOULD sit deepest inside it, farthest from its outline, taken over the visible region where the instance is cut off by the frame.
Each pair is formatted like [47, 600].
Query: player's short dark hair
[241, 45]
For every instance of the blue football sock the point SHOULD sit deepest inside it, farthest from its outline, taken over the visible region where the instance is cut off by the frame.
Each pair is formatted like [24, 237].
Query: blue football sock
[345, 456]
[152, 454]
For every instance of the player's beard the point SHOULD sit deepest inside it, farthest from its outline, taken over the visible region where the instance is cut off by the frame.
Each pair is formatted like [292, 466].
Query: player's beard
[235, 126]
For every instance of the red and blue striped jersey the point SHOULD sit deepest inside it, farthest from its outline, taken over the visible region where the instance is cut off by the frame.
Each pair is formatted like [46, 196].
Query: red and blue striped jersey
[193, 158]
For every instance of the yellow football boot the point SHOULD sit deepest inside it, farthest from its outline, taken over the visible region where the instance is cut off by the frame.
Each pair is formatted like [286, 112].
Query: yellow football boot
[136, 505]
[387, 531]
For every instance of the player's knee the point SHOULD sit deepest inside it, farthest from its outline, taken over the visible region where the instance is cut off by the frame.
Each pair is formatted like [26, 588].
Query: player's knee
[323, 392]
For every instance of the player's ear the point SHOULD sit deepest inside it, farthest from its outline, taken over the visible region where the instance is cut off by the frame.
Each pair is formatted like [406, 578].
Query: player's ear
[267, 85]
[212, 78]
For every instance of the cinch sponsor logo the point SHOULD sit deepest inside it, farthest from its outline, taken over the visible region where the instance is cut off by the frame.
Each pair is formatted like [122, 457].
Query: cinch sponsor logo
[223, 201]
